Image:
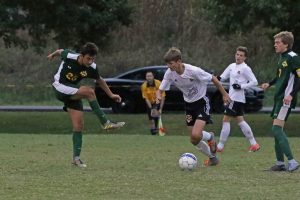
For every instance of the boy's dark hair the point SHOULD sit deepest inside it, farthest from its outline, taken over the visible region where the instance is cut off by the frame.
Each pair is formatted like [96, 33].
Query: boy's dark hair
[89, 49]
[243, 49]
[173, 54]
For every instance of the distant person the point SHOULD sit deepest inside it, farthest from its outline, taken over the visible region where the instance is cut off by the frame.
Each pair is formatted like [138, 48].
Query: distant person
[192, 82]
[73, 68]
[240, 78]
[149, 89]
[287, 84]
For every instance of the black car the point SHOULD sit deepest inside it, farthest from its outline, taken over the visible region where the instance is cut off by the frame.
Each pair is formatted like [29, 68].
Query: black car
[128, 86]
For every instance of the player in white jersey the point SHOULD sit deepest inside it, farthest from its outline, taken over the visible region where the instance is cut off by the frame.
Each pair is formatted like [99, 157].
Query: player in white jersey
[241, 77]
[192, 82]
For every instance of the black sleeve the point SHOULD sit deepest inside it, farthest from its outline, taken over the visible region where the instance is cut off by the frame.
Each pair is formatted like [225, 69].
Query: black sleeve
[272, 82]
[296, 86]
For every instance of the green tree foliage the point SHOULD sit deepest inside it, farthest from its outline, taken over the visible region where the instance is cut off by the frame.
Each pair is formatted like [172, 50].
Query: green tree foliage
[70, 22]
[232, 16]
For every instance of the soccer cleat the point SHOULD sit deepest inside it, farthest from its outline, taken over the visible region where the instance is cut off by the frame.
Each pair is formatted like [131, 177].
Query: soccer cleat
[277, 168]
[254, 147]
[113, 125]
[211, 161]
[212, 144]
[79, 163]
[292, 166]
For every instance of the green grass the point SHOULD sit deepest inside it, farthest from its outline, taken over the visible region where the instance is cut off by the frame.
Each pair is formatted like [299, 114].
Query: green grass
[137, 167]
[136, 124]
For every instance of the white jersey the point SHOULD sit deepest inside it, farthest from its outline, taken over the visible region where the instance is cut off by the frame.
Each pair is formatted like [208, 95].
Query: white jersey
[242, 75]
[192, 83]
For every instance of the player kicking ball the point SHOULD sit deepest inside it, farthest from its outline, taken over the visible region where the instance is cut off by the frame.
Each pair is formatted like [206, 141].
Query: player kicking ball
[241, 77]
[73, 68]
[192, 82]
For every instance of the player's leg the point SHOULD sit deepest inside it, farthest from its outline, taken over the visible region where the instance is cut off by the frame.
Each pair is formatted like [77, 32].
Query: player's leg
[224, 133]
[247, 131]
[77, 124]
[151, 121]
[88, 93]
[283, 142]
[280, 116]
[197, 116]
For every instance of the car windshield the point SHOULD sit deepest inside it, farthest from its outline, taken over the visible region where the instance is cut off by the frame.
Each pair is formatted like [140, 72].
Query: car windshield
[141, 73]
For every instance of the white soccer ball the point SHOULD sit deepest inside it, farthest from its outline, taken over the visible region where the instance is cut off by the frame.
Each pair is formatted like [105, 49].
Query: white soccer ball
[187, 161]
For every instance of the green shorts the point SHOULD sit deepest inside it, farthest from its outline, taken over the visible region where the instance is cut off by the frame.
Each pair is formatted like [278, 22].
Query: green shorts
[68, 102]
[279, 111]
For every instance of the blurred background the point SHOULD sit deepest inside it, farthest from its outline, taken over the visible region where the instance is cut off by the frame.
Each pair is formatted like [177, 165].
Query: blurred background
[134, 33]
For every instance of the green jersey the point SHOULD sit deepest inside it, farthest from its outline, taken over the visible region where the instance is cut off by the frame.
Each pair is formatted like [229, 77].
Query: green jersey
[70, 72]
[287, 67]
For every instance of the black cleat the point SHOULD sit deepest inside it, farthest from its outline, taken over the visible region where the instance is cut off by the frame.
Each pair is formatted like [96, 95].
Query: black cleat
[277, 168]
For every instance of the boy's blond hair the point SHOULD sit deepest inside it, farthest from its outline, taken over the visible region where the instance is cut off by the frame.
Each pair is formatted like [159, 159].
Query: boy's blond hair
[286, 38]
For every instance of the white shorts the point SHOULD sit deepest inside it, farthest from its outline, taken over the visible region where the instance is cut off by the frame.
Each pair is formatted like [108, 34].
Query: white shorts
[65, 89]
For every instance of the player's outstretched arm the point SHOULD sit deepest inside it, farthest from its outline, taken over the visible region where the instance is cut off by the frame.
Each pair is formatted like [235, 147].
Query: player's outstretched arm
[265, 86]
[54, 54]
[159, 96]
[218, 84]
[101, 83]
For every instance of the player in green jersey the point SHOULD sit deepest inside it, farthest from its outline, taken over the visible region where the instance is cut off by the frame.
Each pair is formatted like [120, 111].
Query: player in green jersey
[73, 68]
[287, 84]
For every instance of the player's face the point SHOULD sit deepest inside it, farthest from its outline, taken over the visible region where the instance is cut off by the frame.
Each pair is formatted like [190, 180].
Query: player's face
[240, 57]
[149, 77]
[174, 65]
[280, 47]
[87, 60]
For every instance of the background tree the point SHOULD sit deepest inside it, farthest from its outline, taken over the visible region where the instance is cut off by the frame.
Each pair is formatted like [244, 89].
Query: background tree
[70, 23]
[231, 16]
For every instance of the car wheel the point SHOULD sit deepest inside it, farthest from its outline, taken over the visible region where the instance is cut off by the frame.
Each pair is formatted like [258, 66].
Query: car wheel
[127, 105]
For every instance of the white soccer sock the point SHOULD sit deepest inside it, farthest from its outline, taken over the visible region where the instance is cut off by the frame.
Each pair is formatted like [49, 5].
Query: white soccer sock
[224, 135]
[247, 132]
[206, 136]
[204, 148]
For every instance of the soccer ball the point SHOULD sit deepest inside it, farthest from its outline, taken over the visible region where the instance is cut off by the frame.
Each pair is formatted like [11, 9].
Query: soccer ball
[187, 161]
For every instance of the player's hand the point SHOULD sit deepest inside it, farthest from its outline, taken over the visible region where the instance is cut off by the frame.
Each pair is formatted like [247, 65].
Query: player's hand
[236, 86]
[226, 99]
[50, 56]
[265, 86]
[158, 100]
[287, 100]
[116, 98]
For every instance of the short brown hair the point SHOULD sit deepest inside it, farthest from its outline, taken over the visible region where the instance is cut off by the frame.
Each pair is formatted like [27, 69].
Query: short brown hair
[242, 49]
[286, 38]
[89, 49]
[173, 54]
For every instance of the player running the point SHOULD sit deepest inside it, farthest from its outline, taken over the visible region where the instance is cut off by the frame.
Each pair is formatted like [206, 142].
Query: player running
[73, 68]
[192, 82]
[241, 77]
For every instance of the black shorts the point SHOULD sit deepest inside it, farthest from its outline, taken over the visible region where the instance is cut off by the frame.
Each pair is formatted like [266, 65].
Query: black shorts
[197, 110]
[234, 109]
[68, 102]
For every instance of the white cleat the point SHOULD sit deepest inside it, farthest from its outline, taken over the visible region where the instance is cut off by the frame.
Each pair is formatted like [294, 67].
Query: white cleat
[113, 125]
[79, 163]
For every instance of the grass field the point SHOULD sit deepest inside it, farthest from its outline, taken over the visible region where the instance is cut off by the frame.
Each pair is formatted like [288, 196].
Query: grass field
[130, 164]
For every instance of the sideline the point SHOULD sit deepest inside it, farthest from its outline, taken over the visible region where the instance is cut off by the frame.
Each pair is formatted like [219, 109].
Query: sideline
[88, 109]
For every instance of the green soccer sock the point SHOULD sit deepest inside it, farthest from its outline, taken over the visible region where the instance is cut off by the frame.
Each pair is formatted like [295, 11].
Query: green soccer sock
[97, 110]
[77, 143]
[278, 151]
[282, 141]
